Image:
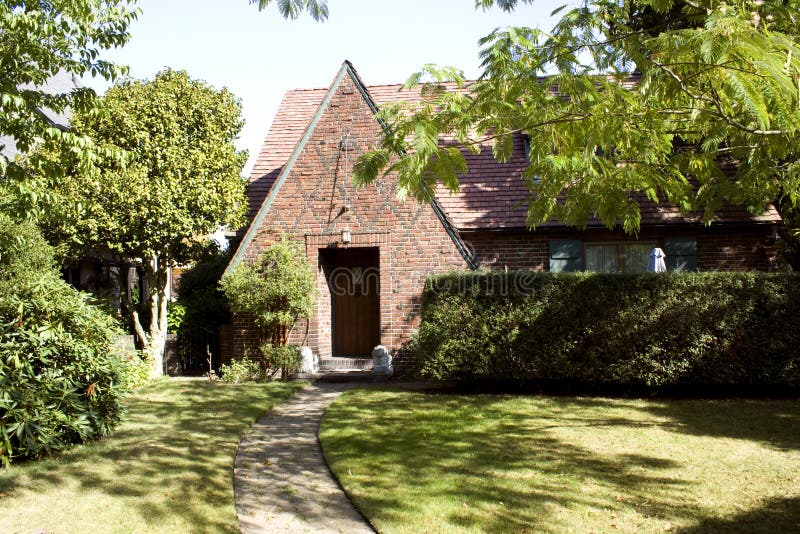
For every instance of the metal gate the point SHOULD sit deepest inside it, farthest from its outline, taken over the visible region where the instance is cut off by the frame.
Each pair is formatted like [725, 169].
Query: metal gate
[196, 345]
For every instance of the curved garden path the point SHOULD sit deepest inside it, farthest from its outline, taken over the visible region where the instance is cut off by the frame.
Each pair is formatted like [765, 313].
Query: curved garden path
[281, 481]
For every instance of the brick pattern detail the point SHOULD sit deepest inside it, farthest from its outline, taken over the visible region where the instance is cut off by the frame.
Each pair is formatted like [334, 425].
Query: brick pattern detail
[317, 201]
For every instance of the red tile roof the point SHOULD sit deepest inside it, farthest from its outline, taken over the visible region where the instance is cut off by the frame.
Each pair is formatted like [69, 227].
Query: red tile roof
[492, 194]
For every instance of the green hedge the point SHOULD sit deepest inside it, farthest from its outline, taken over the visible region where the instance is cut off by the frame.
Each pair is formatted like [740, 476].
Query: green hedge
[646, 330]
[60, 380]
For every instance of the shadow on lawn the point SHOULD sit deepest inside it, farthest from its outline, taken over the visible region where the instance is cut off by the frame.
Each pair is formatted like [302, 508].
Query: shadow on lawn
[780, 514]
[775, 423]
[477, 439]
[510, 465]
[172, 456]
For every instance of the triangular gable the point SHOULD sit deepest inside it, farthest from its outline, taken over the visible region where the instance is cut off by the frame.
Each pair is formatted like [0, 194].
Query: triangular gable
[346, 70]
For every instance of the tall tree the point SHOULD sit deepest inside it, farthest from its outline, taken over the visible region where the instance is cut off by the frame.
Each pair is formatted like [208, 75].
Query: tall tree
[179, 181]
[291, 9]
[41, 38]
[692, 102]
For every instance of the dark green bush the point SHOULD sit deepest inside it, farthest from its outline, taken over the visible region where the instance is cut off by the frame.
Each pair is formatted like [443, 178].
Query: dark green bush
[59, 377]
[199, 292]
[647, 330]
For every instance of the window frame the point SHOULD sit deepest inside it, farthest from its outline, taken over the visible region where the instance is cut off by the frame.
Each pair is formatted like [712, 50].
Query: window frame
[621, 255]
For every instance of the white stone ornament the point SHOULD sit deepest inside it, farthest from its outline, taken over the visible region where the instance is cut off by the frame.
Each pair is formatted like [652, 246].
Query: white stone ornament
[382, 361]
[310, 361]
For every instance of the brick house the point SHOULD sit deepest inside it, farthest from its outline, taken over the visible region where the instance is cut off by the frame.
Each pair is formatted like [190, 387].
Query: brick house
[372, 252]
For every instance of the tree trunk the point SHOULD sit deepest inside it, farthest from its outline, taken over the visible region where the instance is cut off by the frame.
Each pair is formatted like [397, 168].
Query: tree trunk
[154, 339]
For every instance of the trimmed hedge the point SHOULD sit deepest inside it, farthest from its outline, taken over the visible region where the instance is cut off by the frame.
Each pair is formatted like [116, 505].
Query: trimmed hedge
[646, 330]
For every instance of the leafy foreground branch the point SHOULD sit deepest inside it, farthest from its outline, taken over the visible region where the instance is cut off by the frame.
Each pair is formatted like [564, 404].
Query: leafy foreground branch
[695, 103]
[40, 40]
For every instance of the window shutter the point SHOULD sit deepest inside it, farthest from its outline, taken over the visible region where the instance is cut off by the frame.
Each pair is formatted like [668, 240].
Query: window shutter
[565, 255]
[681, 253]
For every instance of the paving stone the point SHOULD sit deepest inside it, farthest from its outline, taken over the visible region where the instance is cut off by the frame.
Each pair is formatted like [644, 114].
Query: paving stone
[281, 481]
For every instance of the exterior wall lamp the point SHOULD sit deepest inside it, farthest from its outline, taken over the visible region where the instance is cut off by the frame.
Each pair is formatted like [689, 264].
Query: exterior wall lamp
[346, 237]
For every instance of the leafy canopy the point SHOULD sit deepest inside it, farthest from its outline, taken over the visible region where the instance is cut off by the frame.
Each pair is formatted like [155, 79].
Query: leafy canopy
[179, 181]
[41, 38]
[318, 9]
[291, 9]
[696, 103]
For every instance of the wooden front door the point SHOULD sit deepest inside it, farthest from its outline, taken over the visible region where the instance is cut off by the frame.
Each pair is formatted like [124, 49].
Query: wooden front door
[354, 283]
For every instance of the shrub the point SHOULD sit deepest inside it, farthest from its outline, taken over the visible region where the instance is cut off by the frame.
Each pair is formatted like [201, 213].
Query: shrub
[60, 380]
[275, 291]
[176, 317]
[283, 359]
[136, 370]
[619, 330]
[242, 370]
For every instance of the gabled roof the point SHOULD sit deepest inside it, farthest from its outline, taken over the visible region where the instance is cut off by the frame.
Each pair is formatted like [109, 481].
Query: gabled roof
[62, 82]
[278, 161]
[493, 196]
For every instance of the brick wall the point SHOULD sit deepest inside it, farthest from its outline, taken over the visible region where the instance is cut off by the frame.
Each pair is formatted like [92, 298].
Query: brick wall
[317, 201]
[741, 249]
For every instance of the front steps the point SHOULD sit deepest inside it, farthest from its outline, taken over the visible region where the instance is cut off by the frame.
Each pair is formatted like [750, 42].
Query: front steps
[342, 369]
[344, 364]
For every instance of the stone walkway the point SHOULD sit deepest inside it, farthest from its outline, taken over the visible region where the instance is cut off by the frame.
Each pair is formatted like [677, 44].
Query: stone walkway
[281, 481]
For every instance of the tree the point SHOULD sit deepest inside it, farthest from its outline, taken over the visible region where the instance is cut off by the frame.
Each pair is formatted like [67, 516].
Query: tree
[318, 9]
[178, 182]
[692, 102]
[275, 291]
[41, 38]
[291, 9]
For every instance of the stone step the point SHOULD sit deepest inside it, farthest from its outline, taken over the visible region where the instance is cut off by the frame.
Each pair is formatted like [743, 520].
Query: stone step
[345, 364]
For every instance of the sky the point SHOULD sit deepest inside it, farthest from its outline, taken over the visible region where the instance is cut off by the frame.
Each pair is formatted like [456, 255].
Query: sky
[258, 55]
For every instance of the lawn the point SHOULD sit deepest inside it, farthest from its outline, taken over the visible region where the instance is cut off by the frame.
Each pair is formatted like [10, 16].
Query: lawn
[415, 462]
[168, 467]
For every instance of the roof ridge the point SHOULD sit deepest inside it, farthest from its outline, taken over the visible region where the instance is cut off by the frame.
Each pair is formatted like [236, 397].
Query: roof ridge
[305, 89]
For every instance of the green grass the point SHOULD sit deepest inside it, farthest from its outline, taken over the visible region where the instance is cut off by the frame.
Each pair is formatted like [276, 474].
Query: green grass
[167, 468]
[416, 462]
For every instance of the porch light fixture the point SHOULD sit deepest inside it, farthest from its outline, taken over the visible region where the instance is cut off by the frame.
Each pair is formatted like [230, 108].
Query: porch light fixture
[346, 236]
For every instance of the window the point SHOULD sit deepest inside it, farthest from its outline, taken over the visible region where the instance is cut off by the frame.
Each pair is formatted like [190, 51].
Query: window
[565, 255]
[618, 257]
[526, 145]
[526, 148]
[681, 253]
[569, 255]
[602, 259]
